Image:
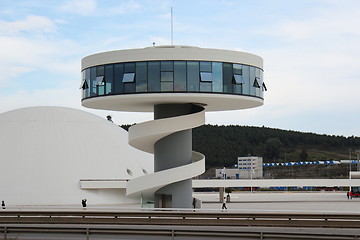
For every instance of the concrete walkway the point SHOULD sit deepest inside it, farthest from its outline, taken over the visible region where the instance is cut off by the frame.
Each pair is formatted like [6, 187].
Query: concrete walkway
[283, 201]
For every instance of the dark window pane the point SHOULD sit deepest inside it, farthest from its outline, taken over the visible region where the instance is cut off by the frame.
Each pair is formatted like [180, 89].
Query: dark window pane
[153, 76]
[205, 87]
[237, 88]
[205, 66]
[206, 76]
[256, 83]
[246, 76]
[92, 81]
[237, 68]
[87, 77]
[118, 76]
[167, 66]
[217, 76]
[264, 88]
[227, 77]
[252, 79]
[128, 77]
[180, 76]
[167, 86]
[193, 82]
[238, 79]
[99, 81]
[101, 90]
[141, 77]
[167, 76]
[100, 70]
[262, 84]
[129, 87]
[84, 85]
[109, 77]
[129, 67]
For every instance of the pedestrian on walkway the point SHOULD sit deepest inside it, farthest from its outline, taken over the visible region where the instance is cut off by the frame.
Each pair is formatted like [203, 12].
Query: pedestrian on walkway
[194, 203]
[83, 202]
[224, 203]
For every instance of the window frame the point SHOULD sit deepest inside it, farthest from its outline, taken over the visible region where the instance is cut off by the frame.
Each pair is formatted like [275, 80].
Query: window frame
[235, 81]
[203, 78]
[130, 80]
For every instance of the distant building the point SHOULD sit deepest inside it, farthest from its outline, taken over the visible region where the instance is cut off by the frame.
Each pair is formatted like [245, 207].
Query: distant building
[247, 168]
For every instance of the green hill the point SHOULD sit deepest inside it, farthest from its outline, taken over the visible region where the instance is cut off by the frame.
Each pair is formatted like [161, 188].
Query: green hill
[223, 144]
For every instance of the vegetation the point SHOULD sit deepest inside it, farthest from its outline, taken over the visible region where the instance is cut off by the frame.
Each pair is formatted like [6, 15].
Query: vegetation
[223, 144]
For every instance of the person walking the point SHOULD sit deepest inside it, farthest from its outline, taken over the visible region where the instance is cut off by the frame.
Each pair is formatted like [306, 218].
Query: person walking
[83, 202]
[224, 203]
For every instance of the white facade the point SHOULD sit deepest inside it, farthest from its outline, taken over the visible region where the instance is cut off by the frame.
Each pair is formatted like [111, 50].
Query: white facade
[46, 151]
[179, 84]
[248, 168]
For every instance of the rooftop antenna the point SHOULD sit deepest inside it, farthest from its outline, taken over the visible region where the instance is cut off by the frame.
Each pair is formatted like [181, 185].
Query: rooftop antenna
[172, 31]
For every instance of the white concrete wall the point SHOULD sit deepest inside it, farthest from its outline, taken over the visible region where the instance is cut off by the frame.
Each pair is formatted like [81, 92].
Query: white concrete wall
[46, 151]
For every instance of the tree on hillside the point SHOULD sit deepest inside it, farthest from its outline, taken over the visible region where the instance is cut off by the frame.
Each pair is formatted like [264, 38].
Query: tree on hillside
[272, 148]
[303, 154]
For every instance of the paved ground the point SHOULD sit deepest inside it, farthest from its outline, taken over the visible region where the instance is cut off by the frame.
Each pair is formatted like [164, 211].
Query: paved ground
[283, 201]
[249, 202]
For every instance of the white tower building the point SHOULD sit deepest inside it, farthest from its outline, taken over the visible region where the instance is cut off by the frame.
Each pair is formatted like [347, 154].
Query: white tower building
[179, 84]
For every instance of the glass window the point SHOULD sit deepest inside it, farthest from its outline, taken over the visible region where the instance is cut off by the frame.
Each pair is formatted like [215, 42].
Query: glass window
[238, 79]
[167, 86]
[129, 67]
[99, 81]
[259, 81]
[129, 87]
[179, 75]
[87, 77]
[252, 78]
[205, 87]
[256, 83]
[264, 87]
[141, 77]
[227, 77]
[128, 77]
[205, 66]
[167, 66]
[237, 69]
[262, 83]
[118, 76]
[206, 76]
[217, 77]
[154, 76]
[246, 76]
[109, 77]
[167, 76]
[193, 82]
[84, 85]
[92, 81]
[100, 70]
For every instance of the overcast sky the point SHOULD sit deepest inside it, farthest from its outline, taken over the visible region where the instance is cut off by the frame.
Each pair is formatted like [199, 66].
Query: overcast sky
[311, 52]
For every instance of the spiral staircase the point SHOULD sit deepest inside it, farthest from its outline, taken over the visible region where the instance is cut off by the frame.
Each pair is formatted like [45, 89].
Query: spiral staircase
[144, 136]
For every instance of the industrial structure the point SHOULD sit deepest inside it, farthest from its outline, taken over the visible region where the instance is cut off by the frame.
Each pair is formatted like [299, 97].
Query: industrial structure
[250, 167]
[179, 84]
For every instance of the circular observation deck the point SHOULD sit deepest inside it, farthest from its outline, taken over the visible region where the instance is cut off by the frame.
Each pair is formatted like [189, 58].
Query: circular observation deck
[136, 80]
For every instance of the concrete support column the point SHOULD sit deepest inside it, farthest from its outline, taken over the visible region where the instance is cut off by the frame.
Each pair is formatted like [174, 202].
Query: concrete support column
[221, 193]
[173, 151]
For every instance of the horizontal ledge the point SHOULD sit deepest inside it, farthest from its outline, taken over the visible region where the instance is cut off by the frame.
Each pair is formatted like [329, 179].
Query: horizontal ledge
[103, 183]
[265, 183]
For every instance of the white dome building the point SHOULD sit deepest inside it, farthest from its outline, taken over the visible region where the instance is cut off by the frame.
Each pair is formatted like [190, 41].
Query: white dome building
[50, 154]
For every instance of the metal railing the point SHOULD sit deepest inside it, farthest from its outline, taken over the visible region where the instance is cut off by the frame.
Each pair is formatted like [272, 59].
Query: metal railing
[181, 223]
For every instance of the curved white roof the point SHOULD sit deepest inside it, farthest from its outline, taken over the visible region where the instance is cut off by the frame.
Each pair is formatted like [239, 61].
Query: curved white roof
[171, 52]
[45, 151]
